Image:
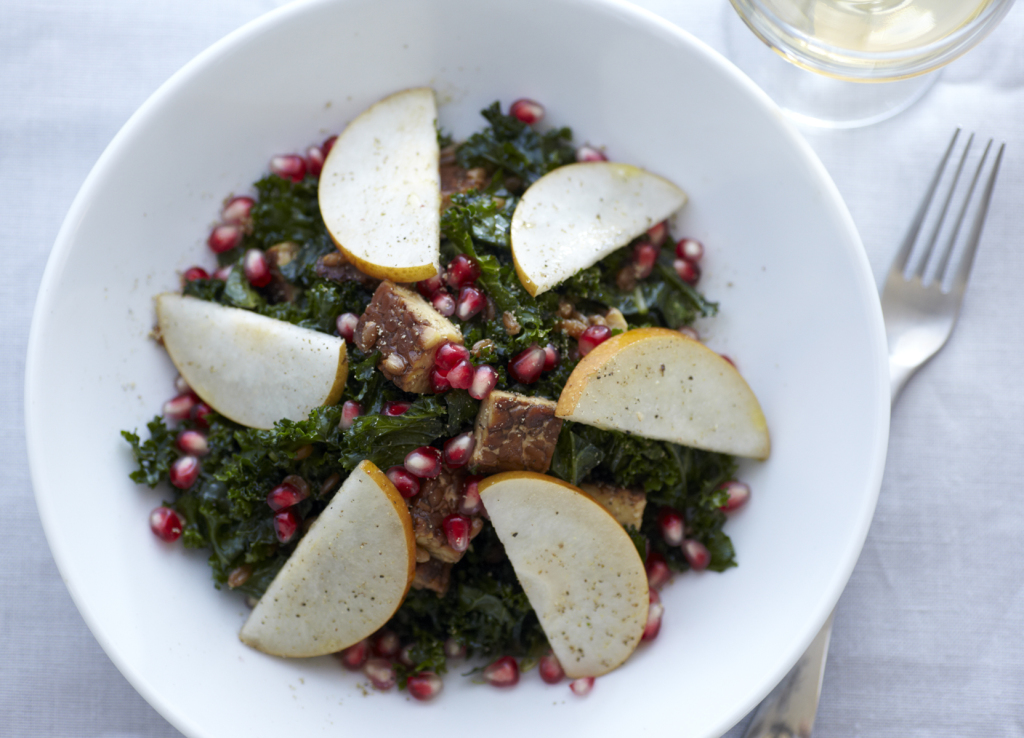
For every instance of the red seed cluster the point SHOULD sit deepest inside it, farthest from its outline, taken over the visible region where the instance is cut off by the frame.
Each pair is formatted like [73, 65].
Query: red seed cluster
[166, 524]
[286, 525]
[654, 612]
[593, 337]
[502, 673]
[526, 110]
[551, 669]
[589, 153]
[527, 366]
[689, 252]
[454, 370]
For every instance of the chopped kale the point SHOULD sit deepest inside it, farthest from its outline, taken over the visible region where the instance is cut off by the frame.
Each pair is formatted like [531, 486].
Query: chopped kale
[485, 608]
[515, 148]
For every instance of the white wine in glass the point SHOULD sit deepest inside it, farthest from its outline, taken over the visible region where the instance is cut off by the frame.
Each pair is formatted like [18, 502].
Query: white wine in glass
[885, 41]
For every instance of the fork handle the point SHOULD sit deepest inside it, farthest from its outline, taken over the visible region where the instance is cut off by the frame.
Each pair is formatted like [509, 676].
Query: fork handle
[789, 710]
[898, 376]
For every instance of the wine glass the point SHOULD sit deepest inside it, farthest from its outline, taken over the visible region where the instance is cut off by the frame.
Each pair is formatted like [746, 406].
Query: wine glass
[874, 58]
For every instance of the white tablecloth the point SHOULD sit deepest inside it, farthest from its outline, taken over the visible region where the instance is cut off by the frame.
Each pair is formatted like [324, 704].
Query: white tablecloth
[927, 637]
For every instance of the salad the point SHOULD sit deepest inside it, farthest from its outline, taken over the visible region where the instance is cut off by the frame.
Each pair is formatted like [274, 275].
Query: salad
[442, 417]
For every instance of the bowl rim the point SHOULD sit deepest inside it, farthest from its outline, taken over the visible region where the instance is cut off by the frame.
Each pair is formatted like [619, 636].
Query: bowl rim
[623, 11]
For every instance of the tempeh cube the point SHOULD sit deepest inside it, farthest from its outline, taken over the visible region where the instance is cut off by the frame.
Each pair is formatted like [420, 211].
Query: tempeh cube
[434, 575]
[625, 505]
[514, 433]
[439, 498]
[407, 331]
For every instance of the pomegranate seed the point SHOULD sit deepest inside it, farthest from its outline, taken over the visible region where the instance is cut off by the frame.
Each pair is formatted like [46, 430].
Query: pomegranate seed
[193, 442]
[671, 524]
[457, 450]
[471, 504]
[396, 408]
[199, 414]
[461, 375]
[166, 523]
[589, 153]
[449, 355]
[237, 210]
[425, 686]
[696, 554]
[327, 145]
[502, 673]
[456, 528]
[658, 572]
[551, 669]
[438, 382]
[729, 359]
[654, 612]
[453, 649]
[430, 286]
[690, 332]
[194, 273]
[406, 484]
[181, 385]
[286, 524]
[657, 234]
[346, 325]
[223, 273]
[284, 496]
[551, 357]
[355, 655]
[349, 412]
[423, 462]
[295, 480]
[645, 255]
[184, 472]
[224, 238]
[461, 271]
[527, 365]
[687, 271]
[738, 493]
[289, 166]
[582, 686]
[381, 673]
[178, 408]
[444, 304]
[315, 160]
[257, 271]
[387, 644]
[471, 302]
[690, 250]
[405, 656]
[526, 110]
[484, 381]
[593, 337]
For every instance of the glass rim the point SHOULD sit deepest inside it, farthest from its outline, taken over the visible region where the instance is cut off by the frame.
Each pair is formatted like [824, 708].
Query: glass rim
[875, 66]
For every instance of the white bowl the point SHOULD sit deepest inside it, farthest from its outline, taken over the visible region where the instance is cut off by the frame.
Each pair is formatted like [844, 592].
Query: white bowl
[799, 313]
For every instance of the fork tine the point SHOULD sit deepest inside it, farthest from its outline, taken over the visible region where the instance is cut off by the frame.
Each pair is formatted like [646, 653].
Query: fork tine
[927, 254]
[967, 261]
[948, 248]
[899, 264]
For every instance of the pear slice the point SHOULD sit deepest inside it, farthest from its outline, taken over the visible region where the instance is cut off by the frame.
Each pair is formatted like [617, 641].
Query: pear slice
[657, 383]
[380, 188]
[250, 368]
[576, 215]
[347, 576]
[579, 568]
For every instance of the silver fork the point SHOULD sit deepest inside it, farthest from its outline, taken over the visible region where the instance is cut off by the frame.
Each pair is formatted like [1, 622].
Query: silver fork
[919, 317]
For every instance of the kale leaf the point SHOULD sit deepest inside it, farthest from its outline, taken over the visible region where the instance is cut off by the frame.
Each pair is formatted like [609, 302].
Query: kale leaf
[516, 148]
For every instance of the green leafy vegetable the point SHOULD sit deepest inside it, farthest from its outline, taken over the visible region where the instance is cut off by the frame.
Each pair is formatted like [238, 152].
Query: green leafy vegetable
[485, 608]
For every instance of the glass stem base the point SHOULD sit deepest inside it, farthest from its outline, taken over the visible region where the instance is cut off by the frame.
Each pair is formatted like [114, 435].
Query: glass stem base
[813, 99]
